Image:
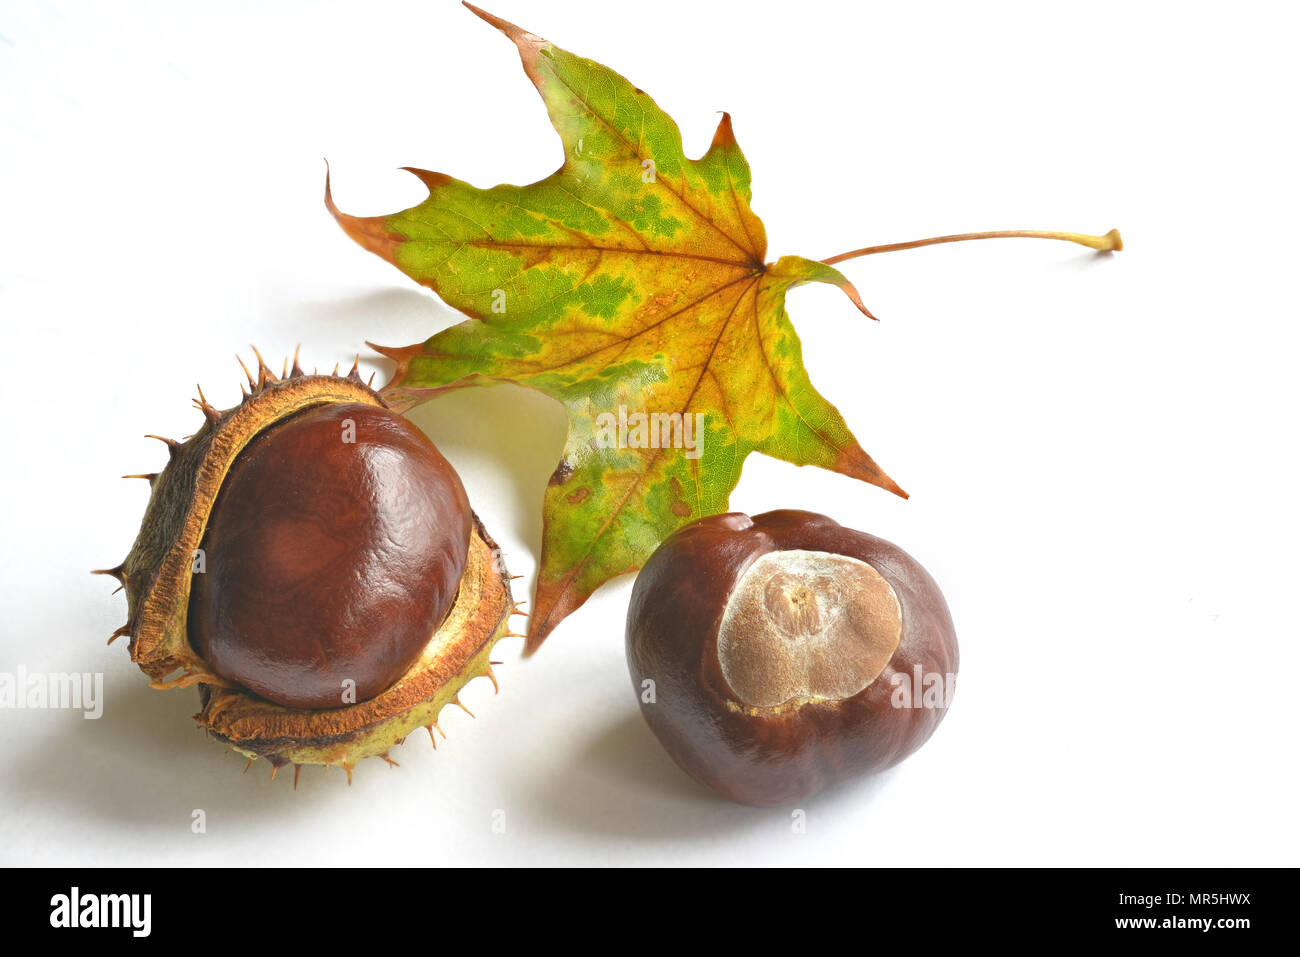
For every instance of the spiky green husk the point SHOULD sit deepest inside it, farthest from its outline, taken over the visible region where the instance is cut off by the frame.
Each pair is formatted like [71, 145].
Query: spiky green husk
[158, 572]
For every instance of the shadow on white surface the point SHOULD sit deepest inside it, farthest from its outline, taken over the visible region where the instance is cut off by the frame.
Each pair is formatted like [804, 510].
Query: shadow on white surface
[144, 765]
[1086, 260]
[391, 316]
[624, 785]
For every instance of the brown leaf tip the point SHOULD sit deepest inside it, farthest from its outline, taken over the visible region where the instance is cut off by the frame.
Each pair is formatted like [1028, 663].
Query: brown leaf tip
[724, 136]
[399, 354]
[516, 33]
[851, 291]
[368, 232]
[856, 463]
[428, 177]
[527, 43]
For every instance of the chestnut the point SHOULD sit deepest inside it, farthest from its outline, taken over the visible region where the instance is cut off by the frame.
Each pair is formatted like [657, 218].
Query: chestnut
[333, 552]
[776, 655]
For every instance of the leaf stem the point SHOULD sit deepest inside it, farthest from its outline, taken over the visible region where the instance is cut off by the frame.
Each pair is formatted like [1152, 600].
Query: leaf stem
[1110, 242]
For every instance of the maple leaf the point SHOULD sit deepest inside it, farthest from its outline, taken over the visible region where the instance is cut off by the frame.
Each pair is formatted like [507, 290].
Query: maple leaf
[631, 281]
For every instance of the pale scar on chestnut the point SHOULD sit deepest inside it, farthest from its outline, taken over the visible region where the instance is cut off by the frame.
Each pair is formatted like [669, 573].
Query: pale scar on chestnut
[803, 625]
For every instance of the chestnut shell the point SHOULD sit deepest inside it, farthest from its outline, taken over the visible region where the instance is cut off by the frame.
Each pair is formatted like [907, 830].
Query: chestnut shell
[158, 573]
[779, 755]
[329, 561]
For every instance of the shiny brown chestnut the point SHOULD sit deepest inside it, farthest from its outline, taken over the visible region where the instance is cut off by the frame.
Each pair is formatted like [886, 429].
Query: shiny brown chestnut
[776, 655]
[333, 552]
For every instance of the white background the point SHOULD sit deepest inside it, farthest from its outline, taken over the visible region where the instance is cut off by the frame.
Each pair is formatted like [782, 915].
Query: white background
[1100, 449]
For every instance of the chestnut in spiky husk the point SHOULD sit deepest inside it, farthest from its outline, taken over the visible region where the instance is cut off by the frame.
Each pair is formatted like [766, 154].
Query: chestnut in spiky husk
[311, 562]
[776, 655]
